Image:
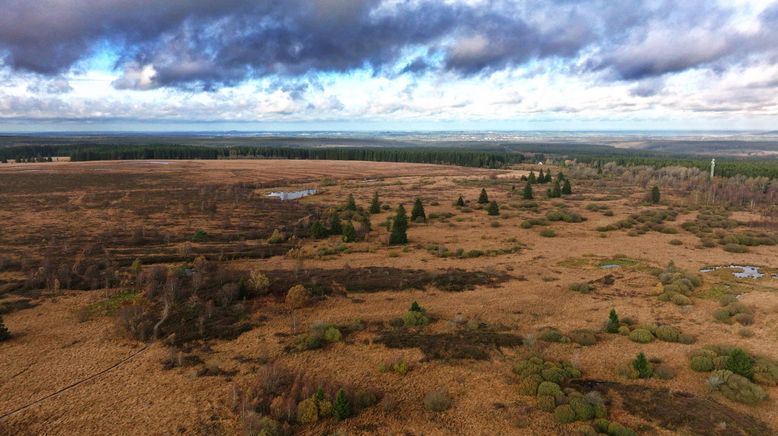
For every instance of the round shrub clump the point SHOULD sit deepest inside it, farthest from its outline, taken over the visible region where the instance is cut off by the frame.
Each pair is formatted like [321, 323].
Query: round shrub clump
[667, 333]
[624, 330]
[546, 403]
[701, 364]
[549, 388]
[297, 296]
[583, 410]
[564, 414]
[413, 318]
[332, 334]
[529, 385]
[307, 411]
[553, 374]
[642, 336]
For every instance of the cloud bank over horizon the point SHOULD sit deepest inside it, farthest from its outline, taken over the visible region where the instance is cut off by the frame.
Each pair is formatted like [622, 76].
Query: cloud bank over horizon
[596, 62]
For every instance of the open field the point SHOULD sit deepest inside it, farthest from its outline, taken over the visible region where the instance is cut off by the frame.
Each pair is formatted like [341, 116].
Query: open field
[182, 341]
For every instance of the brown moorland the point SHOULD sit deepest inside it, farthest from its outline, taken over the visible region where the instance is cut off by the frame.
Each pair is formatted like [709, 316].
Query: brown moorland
[130, 292]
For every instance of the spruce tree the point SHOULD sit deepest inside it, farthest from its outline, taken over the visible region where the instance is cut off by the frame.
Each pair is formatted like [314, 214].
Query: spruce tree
[318, 231]
[642, 366]
[527, 194]
[531, 178]
[398, 234]
[336, 228]
[418, 211]
[541, 176]
[560, 176]
[375, 205]
[342, 408]
[460, 202]
[613, 322]
[483, 198]
[493, 209]
[415, 307]
[350, 203]
[655, 195]
[548, 176]
[349, 233]
[4, 333]
[566, 188]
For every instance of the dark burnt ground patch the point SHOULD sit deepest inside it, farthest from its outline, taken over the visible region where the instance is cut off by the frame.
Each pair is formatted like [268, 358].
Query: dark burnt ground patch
[374, 279]
[464, 344]
[679, 411]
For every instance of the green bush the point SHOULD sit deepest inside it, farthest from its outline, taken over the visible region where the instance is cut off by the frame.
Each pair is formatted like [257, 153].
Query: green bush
[642, 366]
[553, 374]
[548, 233]
[550, 334]
[529, 385]
[583, 410]
[549, 388]
[736, 387]
[341, 409]
[616, 429]
[332, 334]
[307, 411]
[413, 319]
[642, 336]
[564, 414]
[613, 322]
[701, 363]
[583, 288]
[624, 330]
[740, 363]
[735, 248]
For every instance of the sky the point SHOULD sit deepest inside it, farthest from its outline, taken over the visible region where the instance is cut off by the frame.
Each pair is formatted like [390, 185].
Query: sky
[145, 65]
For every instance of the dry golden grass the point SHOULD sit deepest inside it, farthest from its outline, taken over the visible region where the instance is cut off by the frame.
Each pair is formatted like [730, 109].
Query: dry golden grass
[52, 349]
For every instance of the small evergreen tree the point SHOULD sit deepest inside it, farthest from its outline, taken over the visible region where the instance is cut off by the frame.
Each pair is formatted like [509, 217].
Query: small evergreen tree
[342, 408]
[541, 176]
[483, 198]
[548, 176]
[741, 363]
[655, 195]
[336, 228]
[375, 204]
[493, 209]
[418, 211]
[560, 176]
[566, 188]
[350, 203]
[460, 202]
[642, 366]
[319, 395]
[398, 234]
[527, 194]
[531, 178]
[415, 307]
[613, 322]
[4, 333]
[349, 232]
[318, 231]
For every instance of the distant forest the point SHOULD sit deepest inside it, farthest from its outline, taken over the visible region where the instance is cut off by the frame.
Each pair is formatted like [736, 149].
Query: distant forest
[494, 155]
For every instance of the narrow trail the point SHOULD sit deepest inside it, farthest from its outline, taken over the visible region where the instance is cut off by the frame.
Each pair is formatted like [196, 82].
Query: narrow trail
[73, 385]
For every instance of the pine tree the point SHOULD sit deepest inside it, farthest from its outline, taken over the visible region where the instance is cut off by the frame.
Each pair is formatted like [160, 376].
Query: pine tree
[415, 307]
[375, 205]
[460, 202]
[642, 366]
[350, 203]
[493, 209]
[541, 176]
[548, 176]
[317, 230]
[566, 188]
[527, 194]
[483, 198]
[531, 178]
[613, 322]
[655, 195]
[556, 190]
[342, 408]
[560, 176]
[4, 333]
[336, 228]
[349, 232]
[418, 211]
[399, 229]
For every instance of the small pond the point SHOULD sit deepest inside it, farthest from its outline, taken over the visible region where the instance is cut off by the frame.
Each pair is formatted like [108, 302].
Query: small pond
[610, 266]
[741, 271]
[293, 195]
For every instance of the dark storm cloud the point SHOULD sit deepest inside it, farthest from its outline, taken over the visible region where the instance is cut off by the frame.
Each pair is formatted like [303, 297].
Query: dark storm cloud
[205, 44]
